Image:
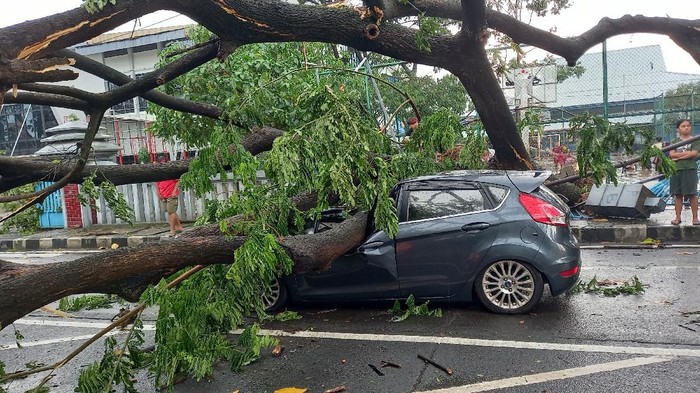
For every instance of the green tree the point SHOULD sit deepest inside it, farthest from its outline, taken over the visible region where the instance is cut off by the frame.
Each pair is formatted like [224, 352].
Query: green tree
[682, 102]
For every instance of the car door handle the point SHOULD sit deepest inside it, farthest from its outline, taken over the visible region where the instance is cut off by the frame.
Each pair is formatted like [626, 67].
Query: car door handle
[370, 246]
[475, 227]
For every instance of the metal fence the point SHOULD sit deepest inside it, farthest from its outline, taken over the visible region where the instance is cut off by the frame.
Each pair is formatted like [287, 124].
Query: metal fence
[143, 199]
[631, 85]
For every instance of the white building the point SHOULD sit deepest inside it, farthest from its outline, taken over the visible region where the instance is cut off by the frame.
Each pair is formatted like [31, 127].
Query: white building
[133, 54]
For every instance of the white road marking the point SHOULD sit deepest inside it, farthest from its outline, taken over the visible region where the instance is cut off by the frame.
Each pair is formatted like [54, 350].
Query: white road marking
[649, 351]
[652, 351]
[52, 341]
[550, 376]
[61, 323]
[65, 323]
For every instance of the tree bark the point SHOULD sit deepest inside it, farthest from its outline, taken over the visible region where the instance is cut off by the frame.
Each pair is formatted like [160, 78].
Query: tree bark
[127, 272]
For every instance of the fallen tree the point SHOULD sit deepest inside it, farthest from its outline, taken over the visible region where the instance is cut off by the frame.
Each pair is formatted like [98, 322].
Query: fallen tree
[333, 149]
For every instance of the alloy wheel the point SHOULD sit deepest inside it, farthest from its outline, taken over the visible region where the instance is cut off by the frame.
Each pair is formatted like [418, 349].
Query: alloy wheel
[510, 287]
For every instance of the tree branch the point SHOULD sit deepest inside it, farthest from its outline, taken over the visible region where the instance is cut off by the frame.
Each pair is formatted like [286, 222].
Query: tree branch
[18, 171]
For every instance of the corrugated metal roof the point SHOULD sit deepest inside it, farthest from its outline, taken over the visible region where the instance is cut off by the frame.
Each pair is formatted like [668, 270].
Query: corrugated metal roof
[128, 35]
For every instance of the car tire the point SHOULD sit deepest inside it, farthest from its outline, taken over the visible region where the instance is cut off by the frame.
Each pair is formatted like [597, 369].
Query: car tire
[509, 287]
[277, 297]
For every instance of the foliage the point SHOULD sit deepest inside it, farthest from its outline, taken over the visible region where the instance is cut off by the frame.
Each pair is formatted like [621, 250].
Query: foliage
[86, 302]
[427, 27]
[93, 6]
[682, 102]
[429, 94]
[525, 9]
[26, 222]
[249, 345]
[412, 309]
[598, 138]
[39, 389]
[116, 366]
[2, 376]
[194, 320]
[287, 316]
[89, 192]
[610, 288]
[144, 156]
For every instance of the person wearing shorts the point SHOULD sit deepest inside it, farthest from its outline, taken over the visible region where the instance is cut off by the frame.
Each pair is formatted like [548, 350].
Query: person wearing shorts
[168, 194]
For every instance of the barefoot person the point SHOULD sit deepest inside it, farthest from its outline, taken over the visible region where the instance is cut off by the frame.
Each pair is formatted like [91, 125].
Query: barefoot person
[684, 184]
[168, 192]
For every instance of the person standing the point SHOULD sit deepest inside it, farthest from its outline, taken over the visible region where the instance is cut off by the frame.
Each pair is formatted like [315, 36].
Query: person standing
[685, 182]
[168, 192]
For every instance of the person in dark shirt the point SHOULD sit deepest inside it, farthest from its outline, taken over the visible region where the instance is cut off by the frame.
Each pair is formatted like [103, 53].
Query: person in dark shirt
[684, 184]
[412, 127]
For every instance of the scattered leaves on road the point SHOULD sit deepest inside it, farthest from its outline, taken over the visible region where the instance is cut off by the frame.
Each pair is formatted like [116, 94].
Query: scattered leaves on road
[610, 287]
[292, 390]
[412, 309]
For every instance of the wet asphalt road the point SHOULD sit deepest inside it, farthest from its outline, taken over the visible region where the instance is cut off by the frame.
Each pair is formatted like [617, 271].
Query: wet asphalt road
[575, 343]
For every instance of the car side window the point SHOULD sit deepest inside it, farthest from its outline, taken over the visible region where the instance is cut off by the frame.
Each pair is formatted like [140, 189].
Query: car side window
[425, 204]
[499, 193]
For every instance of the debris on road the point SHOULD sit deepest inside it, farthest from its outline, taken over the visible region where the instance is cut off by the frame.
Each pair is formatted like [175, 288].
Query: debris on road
[376, 370]
[384, 363]
[336, 389]
[440, 366]
[292, 390]
[277, 351]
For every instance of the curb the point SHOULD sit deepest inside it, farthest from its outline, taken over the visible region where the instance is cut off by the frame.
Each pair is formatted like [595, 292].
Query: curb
[76, 243]
[586, 235]
[636, 234]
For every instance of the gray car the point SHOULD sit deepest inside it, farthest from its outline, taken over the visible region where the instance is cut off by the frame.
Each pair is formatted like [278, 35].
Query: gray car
[493, 236]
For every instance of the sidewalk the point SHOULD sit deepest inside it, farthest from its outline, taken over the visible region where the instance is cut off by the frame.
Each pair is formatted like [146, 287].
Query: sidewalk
[611, 231]
[634, 231]
[95, 237]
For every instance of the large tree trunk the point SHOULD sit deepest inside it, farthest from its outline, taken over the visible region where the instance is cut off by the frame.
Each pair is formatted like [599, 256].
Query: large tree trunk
[127, 272]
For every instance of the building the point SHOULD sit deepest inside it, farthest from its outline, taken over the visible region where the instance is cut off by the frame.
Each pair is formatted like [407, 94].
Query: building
[134, 54]
[638, 82]
[22, 126]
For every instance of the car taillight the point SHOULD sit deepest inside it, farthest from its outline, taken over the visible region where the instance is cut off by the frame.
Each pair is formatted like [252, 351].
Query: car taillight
[542, 211]
[570, 272]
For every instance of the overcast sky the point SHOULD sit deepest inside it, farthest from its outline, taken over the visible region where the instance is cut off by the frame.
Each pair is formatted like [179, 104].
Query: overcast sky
[580, 17]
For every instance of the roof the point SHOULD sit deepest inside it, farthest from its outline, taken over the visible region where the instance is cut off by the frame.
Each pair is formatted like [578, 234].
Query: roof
[129, 35]
[633, 73]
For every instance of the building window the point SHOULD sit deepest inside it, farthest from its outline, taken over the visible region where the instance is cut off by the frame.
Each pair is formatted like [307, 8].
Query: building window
[20, 135]
[133, 105]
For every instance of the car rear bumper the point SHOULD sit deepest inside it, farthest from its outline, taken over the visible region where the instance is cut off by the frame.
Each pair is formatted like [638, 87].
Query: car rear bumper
[560, 277]
[561, 255]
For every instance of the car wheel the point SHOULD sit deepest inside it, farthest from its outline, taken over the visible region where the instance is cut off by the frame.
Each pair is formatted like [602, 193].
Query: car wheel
[509, 287]
[276, 297]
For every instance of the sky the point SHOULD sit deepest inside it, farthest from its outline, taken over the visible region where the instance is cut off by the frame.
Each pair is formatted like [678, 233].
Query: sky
[583, 15]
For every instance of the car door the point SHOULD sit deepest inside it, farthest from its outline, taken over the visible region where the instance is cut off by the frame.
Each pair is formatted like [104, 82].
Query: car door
[367, 273]
[445, 229]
